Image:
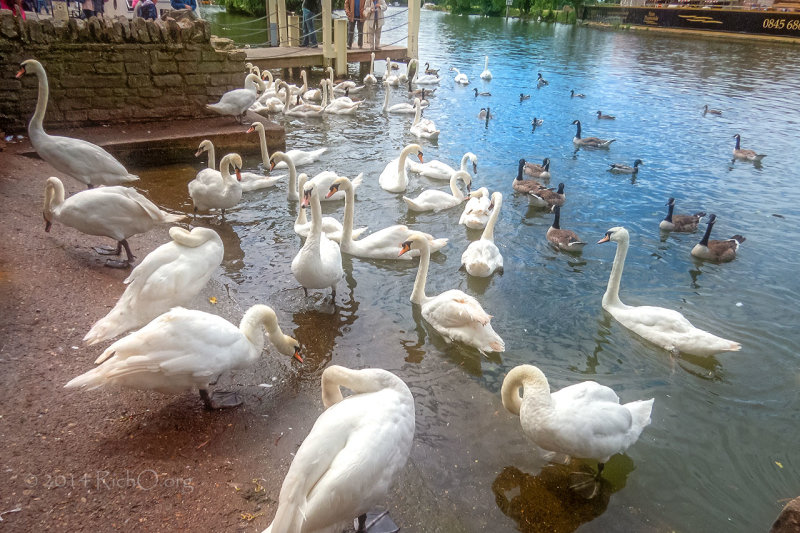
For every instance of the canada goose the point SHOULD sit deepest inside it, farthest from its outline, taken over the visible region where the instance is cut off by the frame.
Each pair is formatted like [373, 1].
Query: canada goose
[590, 142]
[539, 171]
[537, 122]
[600, 115]
[477, 94]
[421, 92]
[547, 197]
[741, 153]
[523, 185]
[711, 111]
[619, 168]
[430, 71]
[485, 113]
[563, 239]
[682, 223]
[523, 96]
[713, 250]
[573, 94]
[540, 81]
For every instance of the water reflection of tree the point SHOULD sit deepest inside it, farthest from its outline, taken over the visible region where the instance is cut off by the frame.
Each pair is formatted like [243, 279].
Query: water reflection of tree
[545, 503]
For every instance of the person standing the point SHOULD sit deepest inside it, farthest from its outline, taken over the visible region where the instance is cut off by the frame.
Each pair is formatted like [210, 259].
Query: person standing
[355, 18]
[310, 9]
[88, 9]
[373, 17]
[183, 4]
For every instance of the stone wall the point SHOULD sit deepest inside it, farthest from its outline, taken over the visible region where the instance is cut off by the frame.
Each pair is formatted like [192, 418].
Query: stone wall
[111, 71]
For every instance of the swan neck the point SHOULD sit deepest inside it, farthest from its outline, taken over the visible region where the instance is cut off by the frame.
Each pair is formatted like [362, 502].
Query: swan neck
[316, 217]
[292, 192]
[535, 389]
[386, 99]
[611, 297]
[349, 209]
[488, 231]
[212, 157]
[53, 195]
[418, 294]
[254, 319]
[417, 113]
[262, 138]
[454, 186]
[358, 381]
[41, 103]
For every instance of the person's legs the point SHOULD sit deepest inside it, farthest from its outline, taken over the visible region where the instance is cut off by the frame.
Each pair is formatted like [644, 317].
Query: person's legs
[376, 38]
[303, 27]
[87, 13]
[360, 24]
[309, 29]
[351, 25]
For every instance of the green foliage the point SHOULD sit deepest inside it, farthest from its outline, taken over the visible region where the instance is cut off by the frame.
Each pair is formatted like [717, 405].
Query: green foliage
[459, 7]
[255, 8]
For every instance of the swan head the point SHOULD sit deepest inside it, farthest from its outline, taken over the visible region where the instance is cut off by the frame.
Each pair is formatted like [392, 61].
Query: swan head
[257, 126]
[287, 346]
[205, 146]
[234, 160]
[479, 193]
[617, 234]
[466, 178]
[474, 159]
[415, 241]
[278, 157]
[340, 182]
[497, 200]
[266, 75]
[308, 190]
[29, 65]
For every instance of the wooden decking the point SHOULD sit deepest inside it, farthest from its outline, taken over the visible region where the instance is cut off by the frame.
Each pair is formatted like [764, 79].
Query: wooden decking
[296, 56]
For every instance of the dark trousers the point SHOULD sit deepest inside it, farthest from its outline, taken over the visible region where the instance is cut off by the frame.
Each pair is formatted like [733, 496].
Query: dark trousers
[351, 26]
[309, 33]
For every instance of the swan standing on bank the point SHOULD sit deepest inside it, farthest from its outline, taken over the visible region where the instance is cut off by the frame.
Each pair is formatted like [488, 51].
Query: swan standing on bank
[584, 420]
[442, 171]
[486, 74]
[482, 257]
[170, 276]
[423, 128]
[394, 177]
[477, 211]
[185, 349]
[381, 244]
[236, 102]
[213, 192]
[435, 200]
[117, 212]
[351, 456]
[664, 327]
[455, 315]
[82, 160]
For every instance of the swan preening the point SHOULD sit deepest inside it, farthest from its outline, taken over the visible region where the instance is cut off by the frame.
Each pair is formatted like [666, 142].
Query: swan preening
[82, 160]
[664, 327]
[482, 257]
[455, 315]
[184, 349]
[714, 250]
[117, 212]
[352, 454]
[170, 276]
[584, 420]
[442, 171]
[477, 209]
[435, 200]
[236, 102]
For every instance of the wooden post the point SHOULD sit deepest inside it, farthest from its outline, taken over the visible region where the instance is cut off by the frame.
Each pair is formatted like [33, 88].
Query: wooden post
[413, 29]
[294, 30]
[282, 29]
[272, 17]
[340, 42]
[327, 44]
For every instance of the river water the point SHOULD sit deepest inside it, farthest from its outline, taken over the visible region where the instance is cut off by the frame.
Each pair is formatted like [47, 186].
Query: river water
[721, 453]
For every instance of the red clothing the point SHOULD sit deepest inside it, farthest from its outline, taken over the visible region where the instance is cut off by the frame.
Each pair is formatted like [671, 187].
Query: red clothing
[349, 6]
[12, 4]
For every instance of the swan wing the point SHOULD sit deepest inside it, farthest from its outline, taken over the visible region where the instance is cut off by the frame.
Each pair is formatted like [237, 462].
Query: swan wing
[432, 200]
[453, 309]
[83, 161]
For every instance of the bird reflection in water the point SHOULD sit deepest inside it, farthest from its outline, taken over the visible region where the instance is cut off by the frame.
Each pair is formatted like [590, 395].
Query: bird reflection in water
[546, 503]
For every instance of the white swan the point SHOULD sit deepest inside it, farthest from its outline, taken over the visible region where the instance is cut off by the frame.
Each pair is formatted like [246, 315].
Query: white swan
[460, 78]
[170, 276]
[425, 79]
[389, 76]
[331, 226]
[82, 160]
[482, 257]
[394, 177]
[381, 244]
[250, 181]
[486, 74]
[401, 108]
[340, 87]
[477, 210]
[663, 327]
[442, 171]
[300, 110]
[343, 105]
[435, 200]
[117, 212]
[218, 192]
[370, 78]
[423, 128]
[584, 420]
[455, 315]
[324, 179]
[298, 157]
[354, 451]
[318, 264]
[310, 95]
[185, 349]
[238, 101]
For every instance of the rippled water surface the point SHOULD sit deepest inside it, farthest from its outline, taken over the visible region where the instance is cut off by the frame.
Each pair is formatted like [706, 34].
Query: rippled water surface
[721, 453]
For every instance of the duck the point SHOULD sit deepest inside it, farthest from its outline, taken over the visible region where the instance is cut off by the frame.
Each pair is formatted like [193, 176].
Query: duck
[456, 315]
[434, 200]
[301, 109]
[477, 210]
[713, 250]
[547, 197]
[680, 223]
[523, 97]
[381, 244]
[390, 76]
[236, 102]
[486, 74]
[356, 449]
[394, 177]
[330, 226]
[477, 94]
[573, 94]
[401, 108]
[589, 142]
[111, 211]
[218, 192]
[370, 78]
[460, 78]
[540, 81]
[430, 71]
[343, 105]
[522, 185]
[185, 349]
[536, 122]
[318, 264]
[482, 257]
[619, 168]
[747, 155]
[663, 327]
[442, 171]
[485, 113]
[583, 420]
[538, 171]
[707, 110]
[170, 276]
[601, 116]
[76, 158]
[298, 158]
[423, 128]
[563, 239]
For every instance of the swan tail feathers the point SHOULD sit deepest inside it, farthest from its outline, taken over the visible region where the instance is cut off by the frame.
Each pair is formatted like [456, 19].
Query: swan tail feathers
[107, 328]
[640, 412]
[357, 180]
[478, 268]
[438, 244]
[92, 379]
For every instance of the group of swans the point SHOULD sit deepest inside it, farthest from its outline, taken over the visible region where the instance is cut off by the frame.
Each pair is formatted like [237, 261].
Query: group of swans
[236, 102]
[438, 170]
[212, 190]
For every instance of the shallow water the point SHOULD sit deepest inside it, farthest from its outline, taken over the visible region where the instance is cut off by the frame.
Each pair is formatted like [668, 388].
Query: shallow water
[721, 452]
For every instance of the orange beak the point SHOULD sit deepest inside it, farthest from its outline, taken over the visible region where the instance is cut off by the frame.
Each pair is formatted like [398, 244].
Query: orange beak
[405, 247]
[297, 354]
[419, 155]
[306, 196]
[251, 129]
[238, 174]
[271, 164]
[333, 190]
[197, 153]
[20, 73]
[604, 239]
[47, 224]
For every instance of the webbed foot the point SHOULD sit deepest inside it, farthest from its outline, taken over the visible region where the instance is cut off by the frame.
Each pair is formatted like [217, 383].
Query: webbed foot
[107, 250]
[585, 484]
[113, 263]
[375, 522]
[220, 399]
